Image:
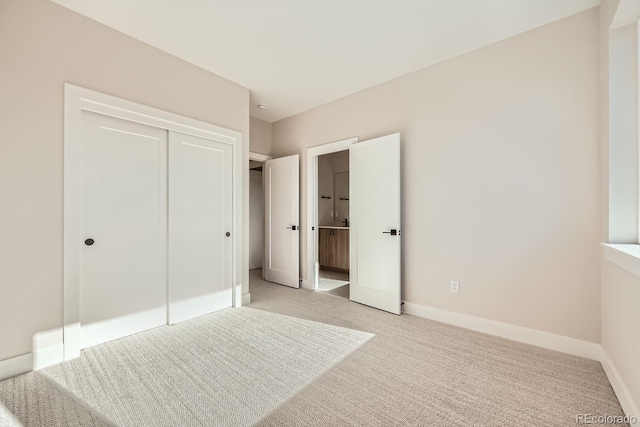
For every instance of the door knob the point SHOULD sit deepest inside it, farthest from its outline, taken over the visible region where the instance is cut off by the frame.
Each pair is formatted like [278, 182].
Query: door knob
[393, 232]
[293, 227]
[89, 242]
[227, 234]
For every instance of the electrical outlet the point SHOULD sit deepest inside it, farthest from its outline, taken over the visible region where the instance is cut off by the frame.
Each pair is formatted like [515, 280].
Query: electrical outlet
[455, 286]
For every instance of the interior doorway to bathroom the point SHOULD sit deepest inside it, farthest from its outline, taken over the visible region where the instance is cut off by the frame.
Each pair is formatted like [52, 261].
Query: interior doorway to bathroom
[333, 223]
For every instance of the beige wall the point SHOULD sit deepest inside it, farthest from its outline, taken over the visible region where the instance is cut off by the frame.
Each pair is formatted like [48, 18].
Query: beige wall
[260, 136]
[42, 46]
[325, 189]
[328, 166]
[340, 161]
[500, 170]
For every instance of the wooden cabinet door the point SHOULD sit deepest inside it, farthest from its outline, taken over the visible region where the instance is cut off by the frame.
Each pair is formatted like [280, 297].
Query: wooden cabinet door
[345, 251]
[324, 247]
[341, 259]
[333, 248]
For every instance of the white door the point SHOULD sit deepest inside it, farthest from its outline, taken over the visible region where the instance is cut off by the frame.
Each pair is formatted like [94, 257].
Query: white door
[282, 246]
[200, 226]
[374, 180]
[123, 223]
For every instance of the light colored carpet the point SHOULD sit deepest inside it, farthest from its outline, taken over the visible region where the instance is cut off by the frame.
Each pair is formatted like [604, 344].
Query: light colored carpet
[7, 419]
[342, 291]
[229, 368]
[417, 372]
[330, 284]
[413, 372]
[35, 401]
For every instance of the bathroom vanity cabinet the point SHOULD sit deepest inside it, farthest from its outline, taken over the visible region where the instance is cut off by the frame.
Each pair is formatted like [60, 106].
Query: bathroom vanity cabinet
[333, 253]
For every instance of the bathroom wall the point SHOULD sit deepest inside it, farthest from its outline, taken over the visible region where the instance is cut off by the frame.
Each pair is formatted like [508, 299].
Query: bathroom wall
[328, 166]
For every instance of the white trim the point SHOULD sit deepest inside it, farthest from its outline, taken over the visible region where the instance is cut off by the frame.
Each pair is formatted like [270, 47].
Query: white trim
[190, 308]
[246, 299]
[629, 407]
[108, 105]
[108, 330]
[71, 340]
[48, 348]
[625, 256]
[542, 339]
[304, 284]
[257, 157]
[237, 298]
[78, 99]
[238, 219]
[311, 282]
[16, 366]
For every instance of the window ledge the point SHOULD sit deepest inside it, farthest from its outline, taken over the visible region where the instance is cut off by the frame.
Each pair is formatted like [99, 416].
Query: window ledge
[626, 256]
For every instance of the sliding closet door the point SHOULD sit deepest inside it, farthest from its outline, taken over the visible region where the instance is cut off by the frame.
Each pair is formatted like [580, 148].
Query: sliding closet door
[200, 226]
[123, 227]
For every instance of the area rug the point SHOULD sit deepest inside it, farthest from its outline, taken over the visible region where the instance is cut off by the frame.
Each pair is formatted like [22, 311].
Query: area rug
[231, 367]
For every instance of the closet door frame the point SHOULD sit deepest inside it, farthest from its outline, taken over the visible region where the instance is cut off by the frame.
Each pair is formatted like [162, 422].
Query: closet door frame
[78, 99]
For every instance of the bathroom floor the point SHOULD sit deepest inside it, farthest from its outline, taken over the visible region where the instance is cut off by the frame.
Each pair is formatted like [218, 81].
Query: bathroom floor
[334, 283]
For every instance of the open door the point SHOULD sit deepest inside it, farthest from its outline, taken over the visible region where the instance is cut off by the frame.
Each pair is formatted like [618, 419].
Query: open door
[281, 209]
[374, 180]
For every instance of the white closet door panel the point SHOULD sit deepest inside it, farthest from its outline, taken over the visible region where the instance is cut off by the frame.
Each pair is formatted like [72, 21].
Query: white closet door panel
[123, 208]
[200, 216]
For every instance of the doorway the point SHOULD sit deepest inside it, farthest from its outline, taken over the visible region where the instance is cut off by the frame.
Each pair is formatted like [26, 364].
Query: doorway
[371, 232]
[315, 192]
[373, 220]
[256, 213]
[333, 223]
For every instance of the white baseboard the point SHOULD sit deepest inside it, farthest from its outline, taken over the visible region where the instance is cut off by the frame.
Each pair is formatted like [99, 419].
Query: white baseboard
[108, 330]
[548, 340]
[237, 301]
[16, 366]
[629, 407]
[71, 340]
[48, 348]
[246, 299]
[181, 310]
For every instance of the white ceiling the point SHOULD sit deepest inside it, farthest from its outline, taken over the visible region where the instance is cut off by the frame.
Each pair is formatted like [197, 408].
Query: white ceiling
[297, 54]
